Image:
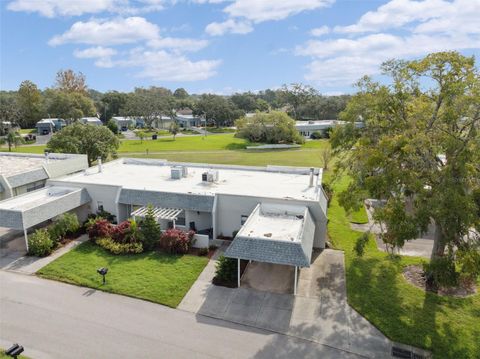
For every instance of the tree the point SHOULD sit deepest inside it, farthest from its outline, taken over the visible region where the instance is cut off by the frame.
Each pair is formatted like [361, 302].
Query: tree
[111, 104]
[141, 135]
[272, 127]
[12, 139]
[173, 129]
[180, 93]
[69, 106]
[9, 111]
[150, 230]
[217, 110]
[94, 141]
[69, 81]
[29, 99]
[419, 152]
[112, 126]
[296, 95]
[150, 104]
[326, 156]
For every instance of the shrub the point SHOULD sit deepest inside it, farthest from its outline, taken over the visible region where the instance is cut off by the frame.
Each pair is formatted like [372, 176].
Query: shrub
[212, 247]
[65, 224]
[226, 269]
[176, 241]
[441, 272]
[40, 243]
[316, 135]
[119, 248]
[150, 230]
[99, 228]
[125, 232]
[203, 252]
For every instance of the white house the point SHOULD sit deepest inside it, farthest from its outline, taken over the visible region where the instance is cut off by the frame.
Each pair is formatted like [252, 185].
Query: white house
[123, 123]
[307, 128]
[279, 213]
[95, 121]
[24, 172]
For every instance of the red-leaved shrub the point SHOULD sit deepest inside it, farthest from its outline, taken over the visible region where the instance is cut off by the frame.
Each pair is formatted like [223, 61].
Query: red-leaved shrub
[100, 228]
[176, 241]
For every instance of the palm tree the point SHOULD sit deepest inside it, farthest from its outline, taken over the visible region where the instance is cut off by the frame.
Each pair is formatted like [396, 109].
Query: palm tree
[12, 139]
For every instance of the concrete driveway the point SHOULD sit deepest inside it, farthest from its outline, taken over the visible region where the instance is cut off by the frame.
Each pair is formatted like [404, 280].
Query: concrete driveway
[318, 313]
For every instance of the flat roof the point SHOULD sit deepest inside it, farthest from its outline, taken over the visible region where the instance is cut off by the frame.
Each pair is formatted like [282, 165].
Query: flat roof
[11, 164]
[275, 222]
[155, 175]
[40, 197]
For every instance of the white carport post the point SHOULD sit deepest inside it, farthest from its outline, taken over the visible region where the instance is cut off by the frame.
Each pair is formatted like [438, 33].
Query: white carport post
[26, 237]
[238, 272]
[295, 283]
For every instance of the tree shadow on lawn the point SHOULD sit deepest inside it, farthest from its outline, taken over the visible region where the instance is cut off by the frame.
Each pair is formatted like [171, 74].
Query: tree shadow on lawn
[377, 290]
[236, 146]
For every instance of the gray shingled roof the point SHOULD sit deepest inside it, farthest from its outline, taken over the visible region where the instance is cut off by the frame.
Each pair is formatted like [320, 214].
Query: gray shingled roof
[270, 251]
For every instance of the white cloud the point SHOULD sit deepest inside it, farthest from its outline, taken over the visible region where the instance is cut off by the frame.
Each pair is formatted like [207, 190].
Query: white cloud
[319, 31]
[52, 8]
[179, 44]
[94, 52]
[266, 10]
[230, 25]
[108, 32]
[243, 13]
[164, 66]
[428, 26]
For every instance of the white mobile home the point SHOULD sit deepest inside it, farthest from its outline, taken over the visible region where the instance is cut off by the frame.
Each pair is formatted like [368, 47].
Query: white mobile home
[94, 121]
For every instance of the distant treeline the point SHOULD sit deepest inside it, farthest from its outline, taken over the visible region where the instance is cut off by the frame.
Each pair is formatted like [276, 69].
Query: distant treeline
[70, 98]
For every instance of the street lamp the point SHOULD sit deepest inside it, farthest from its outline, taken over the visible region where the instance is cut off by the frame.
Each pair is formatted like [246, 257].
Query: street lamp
[14, 351]
[103, 272]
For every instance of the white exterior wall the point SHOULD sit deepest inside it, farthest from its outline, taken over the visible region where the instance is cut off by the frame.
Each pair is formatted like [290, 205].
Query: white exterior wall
[230, 209]
[105, 194]
[203, 220]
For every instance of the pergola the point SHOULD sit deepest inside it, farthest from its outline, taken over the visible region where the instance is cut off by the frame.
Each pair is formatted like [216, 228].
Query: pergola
[170, 214]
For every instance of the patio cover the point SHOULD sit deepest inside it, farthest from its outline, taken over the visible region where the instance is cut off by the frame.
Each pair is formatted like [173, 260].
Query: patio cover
[170, 214]
[275, 233]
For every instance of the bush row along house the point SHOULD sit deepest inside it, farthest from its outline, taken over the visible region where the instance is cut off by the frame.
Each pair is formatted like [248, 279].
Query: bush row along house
[275, 214]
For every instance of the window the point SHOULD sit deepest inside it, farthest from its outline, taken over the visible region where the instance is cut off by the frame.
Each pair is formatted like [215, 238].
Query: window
[243, 219]
[100, 206]
[180, 221]
[35, 185]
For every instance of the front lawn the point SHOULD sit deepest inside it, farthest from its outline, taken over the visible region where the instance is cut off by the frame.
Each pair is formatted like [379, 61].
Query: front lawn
[157, 277]
[5, 356]
[376, 288]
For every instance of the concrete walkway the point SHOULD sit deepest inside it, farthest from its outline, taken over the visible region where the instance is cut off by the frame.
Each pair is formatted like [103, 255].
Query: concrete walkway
[20, 263]
[419, 247]
[318, 313]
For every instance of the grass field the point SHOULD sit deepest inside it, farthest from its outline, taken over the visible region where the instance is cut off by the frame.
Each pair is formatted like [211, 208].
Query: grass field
[5, 356]
[450, 327]
[359, 217]
[26, 131]
[156, 277]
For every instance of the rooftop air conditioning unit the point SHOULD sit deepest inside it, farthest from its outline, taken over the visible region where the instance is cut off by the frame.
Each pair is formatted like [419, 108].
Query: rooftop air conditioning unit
[205, 177]
[212, 176]
[184, 171]
[176, 172]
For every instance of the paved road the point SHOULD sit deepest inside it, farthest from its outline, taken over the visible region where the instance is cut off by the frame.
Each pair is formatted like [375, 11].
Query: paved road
[55, 320]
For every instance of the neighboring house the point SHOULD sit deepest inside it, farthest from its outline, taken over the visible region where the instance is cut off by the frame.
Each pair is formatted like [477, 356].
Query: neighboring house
[95, 121]
[21, 173]
[280, 213]
[187, 121]
[306, 128]
[123, 123]
[47, 126]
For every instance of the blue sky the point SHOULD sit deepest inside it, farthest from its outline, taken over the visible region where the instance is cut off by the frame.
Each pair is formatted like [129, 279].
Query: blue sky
[225, 46]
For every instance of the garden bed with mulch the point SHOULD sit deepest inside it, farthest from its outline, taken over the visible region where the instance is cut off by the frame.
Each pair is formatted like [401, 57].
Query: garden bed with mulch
[415, 275]
[231, 283]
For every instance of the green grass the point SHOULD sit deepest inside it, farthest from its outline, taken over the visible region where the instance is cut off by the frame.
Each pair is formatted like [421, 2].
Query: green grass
[26, 131]
[449, 327]
[221, 130]
[156, 277]
[359, 217]
[25, 149]
[5, 356]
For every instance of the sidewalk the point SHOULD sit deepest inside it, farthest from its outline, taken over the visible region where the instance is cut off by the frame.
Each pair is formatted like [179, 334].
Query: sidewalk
[30, 265]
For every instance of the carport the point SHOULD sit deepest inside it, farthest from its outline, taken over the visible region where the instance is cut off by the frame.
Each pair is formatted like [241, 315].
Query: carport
[276, 234]
[33, 208]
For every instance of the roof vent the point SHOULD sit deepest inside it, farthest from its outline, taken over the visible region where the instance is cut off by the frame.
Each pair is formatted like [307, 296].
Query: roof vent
[178, 172]
[210, 176]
